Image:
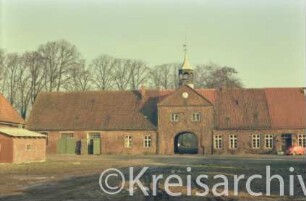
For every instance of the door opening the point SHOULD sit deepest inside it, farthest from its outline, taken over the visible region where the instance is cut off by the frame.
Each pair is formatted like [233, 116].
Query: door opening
[186, 143]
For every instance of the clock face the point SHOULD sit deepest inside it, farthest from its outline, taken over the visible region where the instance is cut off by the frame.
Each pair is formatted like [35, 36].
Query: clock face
[185, 95]
[185, 76]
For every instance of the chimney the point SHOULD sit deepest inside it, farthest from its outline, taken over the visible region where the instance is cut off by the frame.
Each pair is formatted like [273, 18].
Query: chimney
[143, 92]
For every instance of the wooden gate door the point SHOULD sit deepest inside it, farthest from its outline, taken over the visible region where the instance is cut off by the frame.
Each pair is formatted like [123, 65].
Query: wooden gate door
[66, 146]
[96, 146]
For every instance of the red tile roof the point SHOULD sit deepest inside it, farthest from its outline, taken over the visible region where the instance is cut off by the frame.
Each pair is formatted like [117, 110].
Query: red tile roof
[101, 110]
[132, 110]
[241, 109]
[209, 94]
[8, 114]
[287, 107]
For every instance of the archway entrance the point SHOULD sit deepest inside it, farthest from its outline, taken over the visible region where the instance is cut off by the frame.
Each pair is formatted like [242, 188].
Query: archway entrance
[186, 143]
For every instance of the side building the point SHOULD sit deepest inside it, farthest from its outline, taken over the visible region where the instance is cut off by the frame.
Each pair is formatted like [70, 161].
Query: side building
[18, 145]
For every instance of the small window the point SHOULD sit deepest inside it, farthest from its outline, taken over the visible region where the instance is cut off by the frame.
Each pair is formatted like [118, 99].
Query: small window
[128, 141]
[147, 141]
[227, 121]
[302, 140]
[196, 116]
[255, 141]
[29, 147]
[174, 117]
[269, 141]
[66, 135]
[218, 142]
[233, 142]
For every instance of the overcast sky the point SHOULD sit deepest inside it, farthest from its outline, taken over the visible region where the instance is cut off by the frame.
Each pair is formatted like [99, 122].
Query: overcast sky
[263, 39]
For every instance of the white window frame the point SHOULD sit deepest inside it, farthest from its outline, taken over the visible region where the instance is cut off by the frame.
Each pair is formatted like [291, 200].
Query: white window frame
[196, 117]
[302, 140]
[218, 142]
[269, 141]
[256, 141]
[233, 144]
[174, 117]
[128, 141]
[147, 141]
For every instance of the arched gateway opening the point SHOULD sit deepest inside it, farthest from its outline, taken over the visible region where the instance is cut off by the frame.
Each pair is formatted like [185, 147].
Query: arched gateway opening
[186, 143]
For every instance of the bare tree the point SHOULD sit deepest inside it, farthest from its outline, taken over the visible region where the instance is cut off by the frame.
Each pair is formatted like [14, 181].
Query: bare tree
[155, 78]
[59, 57]
[80, 78]
[139, 72]
[226, 77]
[33, 62]
[165, 76]
[2, 71]
[102, 72]
[203, 75]
[174, 75]
[122, 73]
[215, 76]
[24, 88]
[17, 83]
[11, 66]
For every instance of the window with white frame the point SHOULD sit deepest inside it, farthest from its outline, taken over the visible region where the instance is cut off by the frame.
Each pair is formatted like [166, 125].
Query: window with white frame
[128, 141]
[196, 116]
[269, 141]
[302, 140]
[174, 117]
[255, 141]
[233, 142]
[218, 142]
[147, 141]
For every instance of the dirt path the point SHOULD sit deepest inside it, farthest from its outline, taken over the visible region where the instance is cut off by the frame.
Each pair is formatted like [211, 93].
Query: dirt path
[77, 177]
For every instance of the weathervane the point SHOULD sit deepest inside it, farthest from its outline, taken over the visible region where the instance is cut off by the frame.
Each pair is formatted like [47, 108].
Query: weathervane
[185, 46]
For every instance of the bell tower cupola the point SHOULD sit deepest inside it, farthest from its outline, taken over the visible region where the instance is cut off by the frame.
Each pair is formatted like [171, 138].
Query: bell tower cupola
[186, 71]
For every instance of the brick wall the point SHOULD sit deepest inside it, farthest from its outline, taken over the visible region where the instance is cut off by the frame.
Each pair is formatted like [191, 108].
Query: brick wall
[112, 142]
[6, 149]
[29, 150]
[54, 136]
[244, 141]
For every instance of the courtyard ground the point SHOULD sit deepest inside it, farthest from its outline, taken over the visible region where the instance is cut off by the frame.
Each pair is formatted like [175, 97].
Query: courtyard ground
[69, 177]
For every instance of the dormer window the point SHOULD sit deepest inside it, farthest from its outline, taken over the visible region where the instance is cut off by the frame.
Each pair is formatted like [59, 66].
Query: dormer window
[196, 116]
[174, 117]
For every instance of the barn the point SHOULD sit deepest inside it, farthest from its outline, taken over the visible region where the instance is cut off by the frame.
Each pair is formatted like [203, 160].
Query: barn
[18, 145]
